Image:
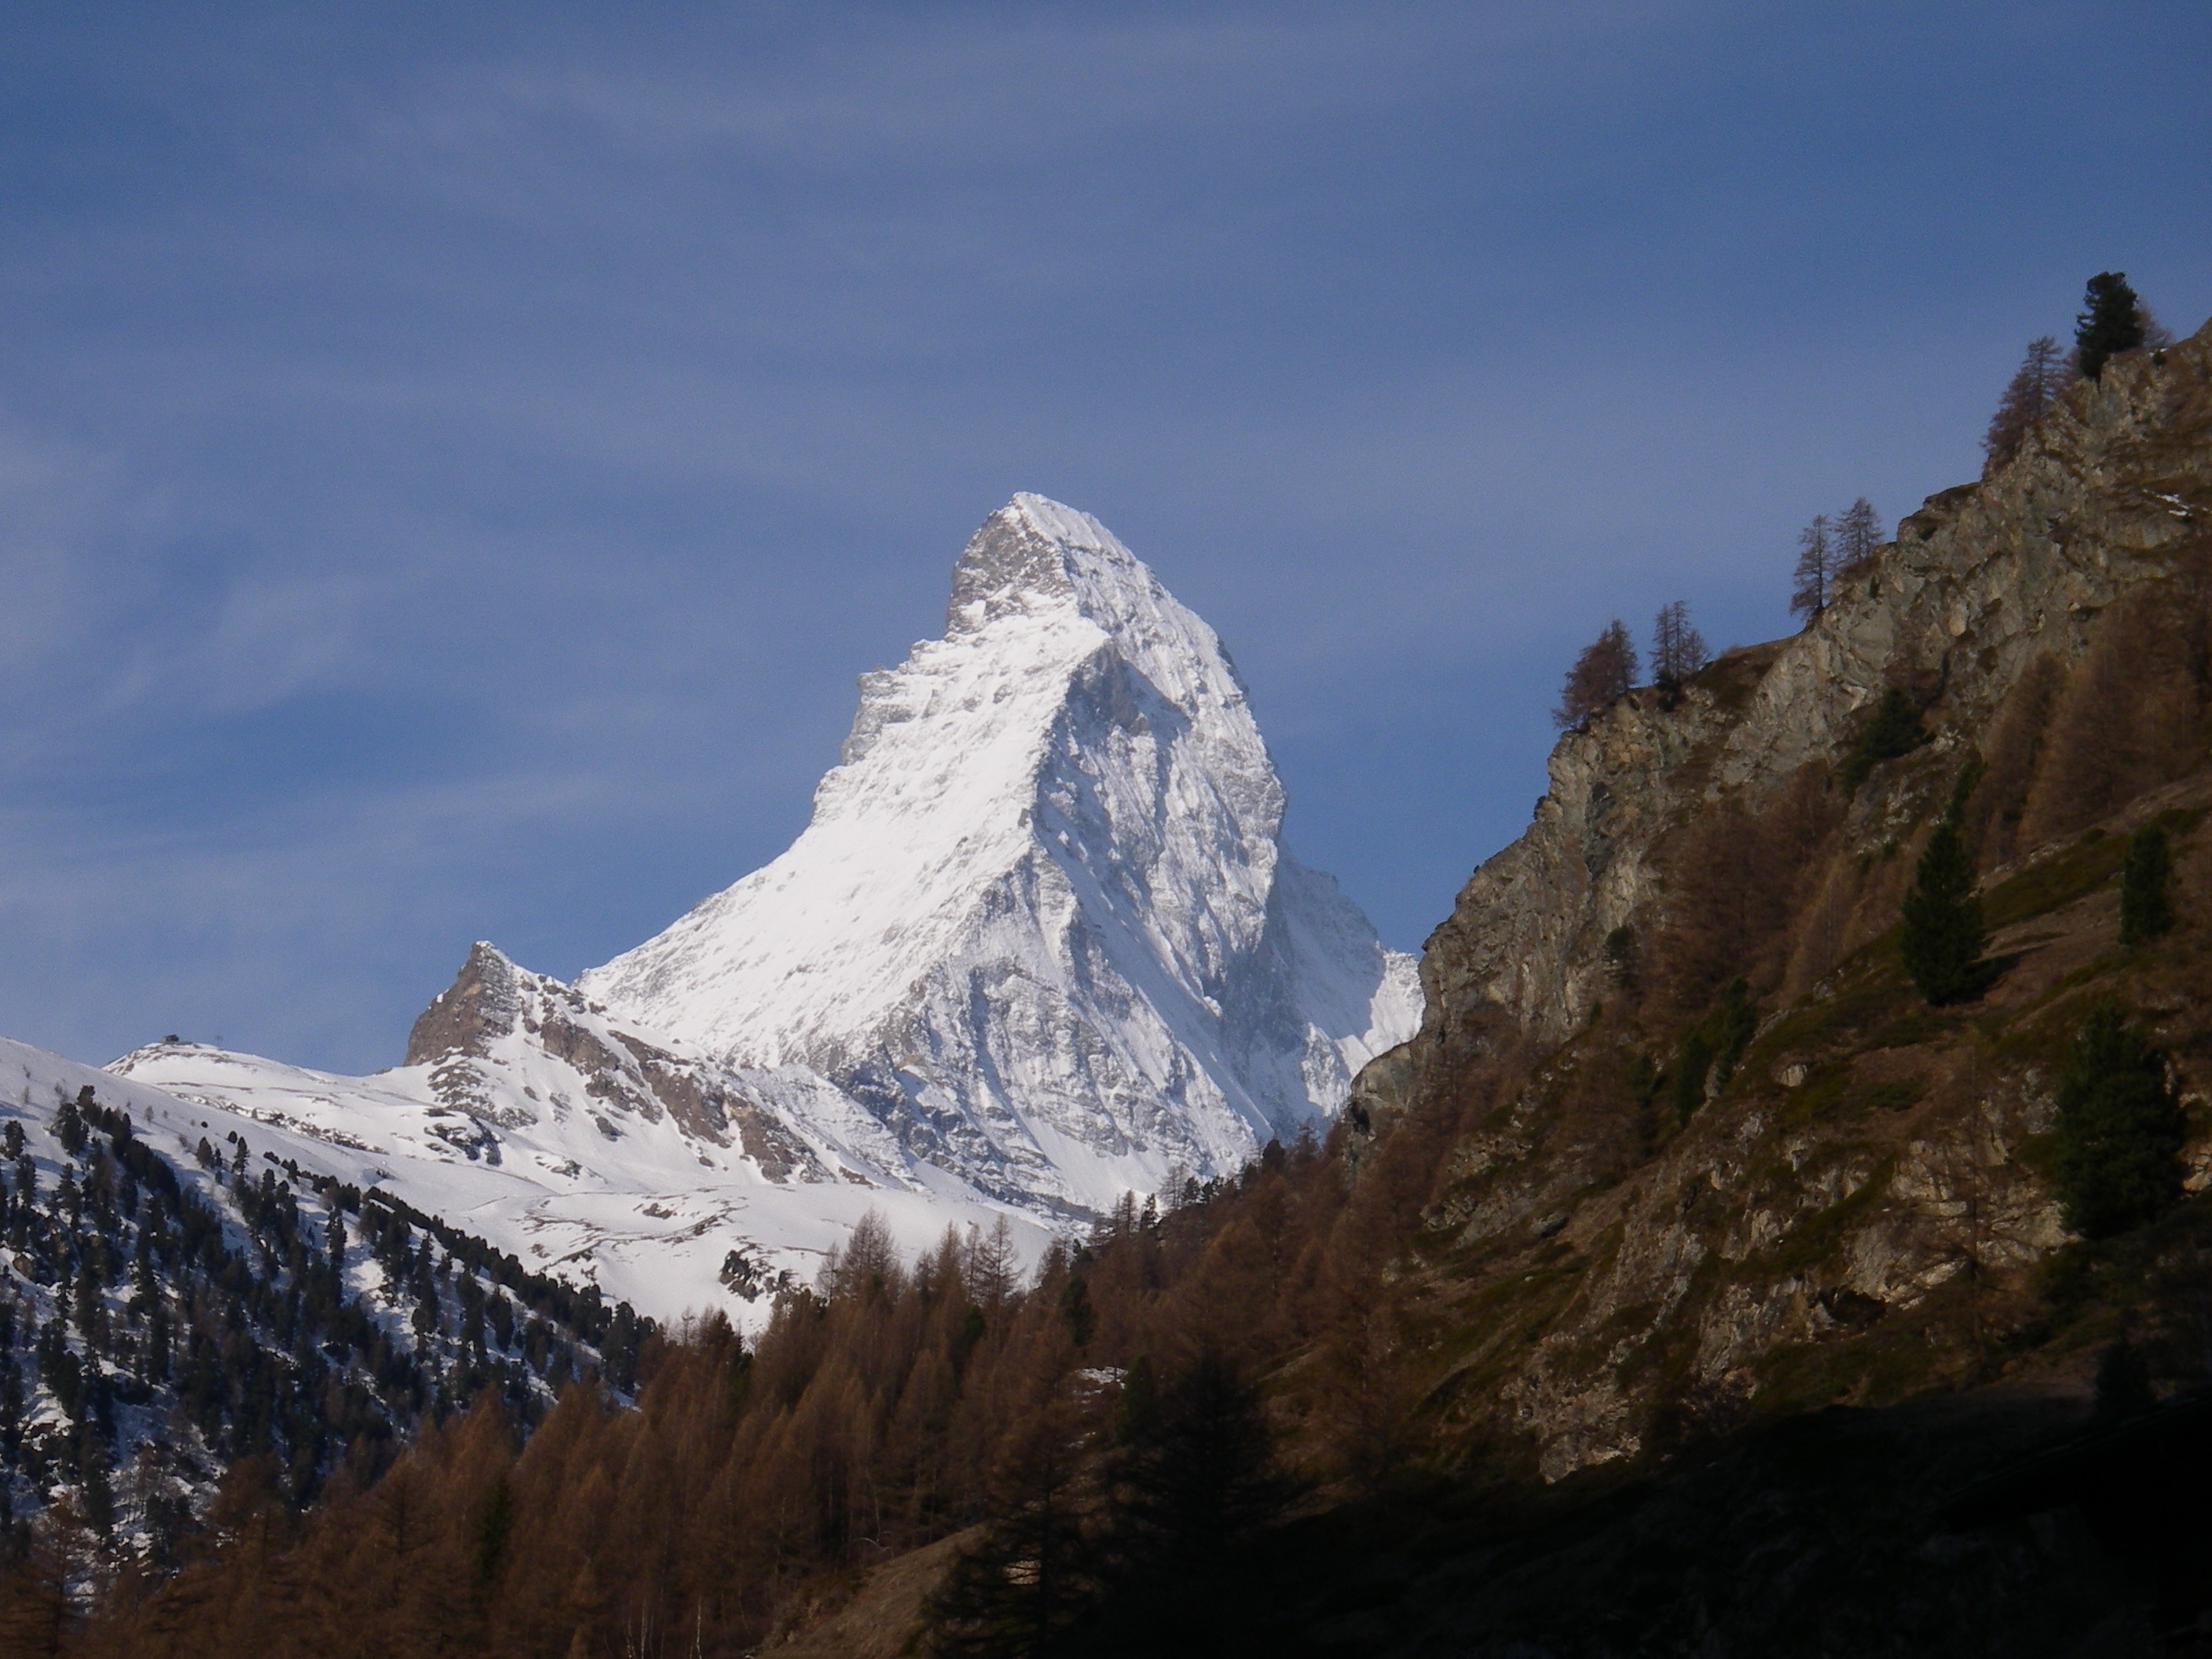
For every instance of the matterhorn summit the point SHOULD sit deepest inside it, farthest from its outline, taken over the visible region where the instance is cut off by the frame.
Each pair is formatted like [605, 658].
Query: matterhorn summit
[1042, 924]
[1040, 946]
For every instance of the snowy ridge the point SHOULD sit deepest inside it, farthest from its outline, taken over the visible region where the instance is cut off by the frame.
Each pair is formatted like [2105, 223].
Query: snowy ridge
[566, 1168]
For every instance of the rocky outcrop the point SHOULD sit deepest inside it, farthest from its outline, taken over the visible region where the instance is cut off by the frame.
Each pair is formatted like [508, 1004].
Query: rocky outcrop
[480, 1032]
[482, 1003]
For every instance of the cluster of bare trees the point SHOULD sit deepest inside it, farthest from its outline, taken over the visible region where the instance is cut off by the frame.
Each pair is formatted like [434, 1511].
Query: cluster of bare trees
[1833, 552]
[2114, 320]
[1606, 670]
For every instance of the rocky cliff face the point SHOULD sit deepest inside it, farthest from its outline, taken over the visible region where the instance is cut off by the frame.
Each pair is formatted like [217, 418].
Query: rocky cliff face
[2109, 493]
[469, 1035]
[1853, 1212]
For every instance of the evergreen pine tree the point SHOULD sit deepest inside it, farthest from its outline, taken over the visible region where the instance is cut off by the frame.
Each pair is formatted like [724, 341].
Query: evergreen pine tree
[1892, 728]
[1194, 1483]
[2111, 322]
[68, 1127]
[1944, 933]
[1619, 955]
[1693, 1063]
[1031, 1576]
[1739, 1023]
[2120, 1129]
[1197, 1475]
[1075, 1310]
[2145, 908]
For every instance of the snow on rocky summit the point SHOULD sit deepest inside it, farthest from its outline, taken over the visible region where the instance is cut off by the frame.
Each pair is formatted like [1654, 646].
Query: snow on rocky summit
[1040, 945]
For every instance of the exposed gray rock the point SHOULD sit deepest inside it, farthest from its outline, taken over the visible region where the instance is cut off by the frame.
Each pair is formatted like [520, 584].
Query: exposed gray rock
[482, 1003]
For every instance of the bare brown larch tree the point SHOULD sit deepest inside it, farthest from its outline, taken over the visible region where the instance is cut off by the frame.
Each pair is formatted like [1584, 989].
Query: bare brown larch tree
[2042, 375]
[1678, 650]
[1816, 569]
[1601, 678]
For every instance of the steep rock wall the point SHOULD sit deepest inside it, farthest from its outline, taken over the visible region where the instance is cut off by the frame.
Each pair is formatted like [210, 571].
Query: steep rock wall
[2109, 491]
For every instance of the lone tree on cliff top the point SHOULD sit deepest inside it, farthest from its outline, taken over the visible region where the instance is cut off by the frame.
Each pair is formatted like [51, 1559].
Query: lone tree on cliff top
[1816, 569]
[1601, 678]
[2111, 321]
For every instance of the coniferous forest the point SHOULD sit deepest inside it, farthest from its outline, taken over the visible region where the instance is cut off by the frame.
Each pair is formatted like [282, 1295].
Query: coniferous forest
[1095, 1434]
[160, 1330]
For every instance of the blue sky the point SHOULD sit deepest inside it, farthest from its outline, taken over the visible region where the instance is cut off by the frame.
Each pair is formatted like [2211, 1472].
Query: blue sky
[454, 460]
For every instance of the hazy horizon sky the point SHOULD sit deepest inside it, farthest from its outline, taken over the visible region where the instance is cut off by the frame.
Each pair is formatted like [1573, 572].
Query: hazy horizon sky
[455, 460]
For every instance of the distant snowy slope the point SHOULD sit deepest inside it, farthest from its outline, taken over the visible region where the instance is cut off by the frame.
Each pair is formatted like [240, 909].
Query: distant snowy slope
[581, 1169]
[182, 1287]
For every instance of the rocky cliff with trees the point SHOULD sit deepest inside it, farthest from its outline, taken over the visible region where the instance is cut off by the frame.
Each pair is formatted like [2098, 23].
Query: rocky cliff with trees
[1976, 718]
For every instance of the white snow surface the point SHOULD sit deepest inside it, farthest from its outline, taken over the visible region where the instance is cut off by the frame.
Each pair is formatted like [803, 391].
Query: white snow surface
[1041, 946]
[599, 1184]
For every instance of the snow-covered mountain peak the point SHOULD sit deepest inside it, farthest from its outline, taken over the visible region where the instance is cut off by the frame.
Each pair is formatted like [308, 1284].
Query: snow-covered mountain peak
[1065, 667]
[1034, 558]
[1042, 917]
